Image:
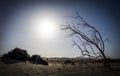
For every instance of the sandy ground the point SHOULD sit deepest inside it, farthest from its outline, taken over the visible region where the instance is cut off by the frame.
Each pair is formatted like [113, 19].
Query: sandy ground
[28, 69]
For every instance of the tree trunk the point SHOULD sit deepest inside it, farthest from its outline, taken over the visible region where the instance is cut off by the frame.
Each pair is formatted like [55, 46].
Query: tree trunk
[106, 61]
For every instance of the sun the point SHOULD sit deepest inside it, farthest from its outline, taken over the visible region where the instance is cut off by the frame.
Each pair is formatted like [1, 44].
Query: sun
[45, 27]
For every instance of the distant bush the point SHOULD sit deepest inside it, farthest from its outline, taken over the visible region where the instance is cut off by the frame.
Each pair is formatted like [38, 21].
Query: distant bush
[17, 54]
[67, 62]
[36, 59]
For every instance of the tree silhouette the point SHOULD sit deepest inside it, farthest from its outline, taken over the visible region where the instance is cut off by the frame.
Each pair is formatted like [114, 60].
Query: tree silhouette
[17, 54]
[86, 37]
[36, 59]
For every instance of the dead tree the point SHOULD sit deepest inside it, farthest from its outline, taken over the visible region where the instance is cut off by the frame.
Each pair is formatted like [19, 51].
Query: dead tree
[86, 37]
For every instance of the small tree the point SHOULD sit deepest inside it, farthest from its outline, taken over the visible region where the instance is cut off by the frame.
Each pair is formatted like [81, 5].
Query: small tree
[36, 59]
[86, 37]
[17, 54]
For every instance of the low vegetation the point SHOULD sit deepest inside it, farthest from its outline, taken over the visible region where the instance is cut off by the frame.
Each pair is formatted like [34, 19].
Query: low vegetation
[58, 68]
[21, 55]
[24, 65]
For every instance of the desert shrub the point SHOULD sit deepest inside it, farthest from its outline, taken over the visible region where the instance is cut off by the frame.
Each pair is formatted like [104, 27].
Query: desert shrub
[17, 54]
[36, 59]
[67, 62]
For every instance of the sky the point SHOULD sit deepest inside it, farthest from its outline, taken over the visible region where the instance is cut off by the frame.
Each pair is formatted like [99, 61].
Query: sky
[21, 23]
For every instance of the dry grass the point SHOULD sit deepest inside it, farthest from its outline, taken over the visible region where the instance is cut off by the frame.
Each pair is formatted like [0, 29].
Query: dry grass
[27, 69]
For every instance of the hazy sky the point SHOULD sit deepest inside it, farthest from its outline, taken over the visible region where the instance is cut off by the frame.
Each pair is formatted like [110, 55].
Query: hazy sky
[20, 21]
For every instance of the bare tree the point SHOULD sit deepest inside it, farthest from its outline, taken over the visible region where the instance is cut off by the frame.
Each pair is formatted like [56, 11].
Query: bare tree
[86, 37]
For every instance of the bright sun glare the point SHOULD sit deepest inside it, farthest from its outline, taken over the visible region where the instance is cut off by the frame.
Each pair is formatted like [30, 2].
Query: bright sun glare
[45, 27]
